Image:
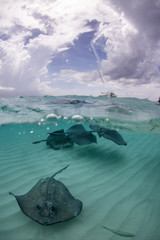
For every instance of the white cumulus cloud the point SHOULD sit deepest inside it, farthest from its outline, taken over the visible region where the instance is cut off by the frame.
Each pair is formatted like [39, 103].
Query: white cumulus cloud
[32, 33]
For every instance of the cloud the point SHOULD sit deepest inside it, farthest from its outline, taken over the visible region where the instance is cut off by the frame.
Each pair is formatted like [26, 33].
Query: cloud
[82, 77]
[126, 40]
[25, 53]
[133, 51]
[144, 15]
[6, 91]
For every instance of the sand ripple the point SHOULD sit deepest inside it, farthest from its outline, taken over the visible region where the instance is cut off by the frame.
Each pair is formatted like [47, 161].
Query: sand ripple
[119, 188]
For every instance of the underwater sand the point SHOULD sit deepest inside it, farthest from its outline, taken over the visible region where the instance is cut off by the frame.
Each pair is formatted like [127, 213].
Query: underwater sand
[118, 185]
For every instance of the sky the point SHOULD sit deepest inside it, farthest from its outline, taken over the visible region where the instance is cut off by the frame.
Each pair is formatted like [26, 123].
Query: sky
[59, 47]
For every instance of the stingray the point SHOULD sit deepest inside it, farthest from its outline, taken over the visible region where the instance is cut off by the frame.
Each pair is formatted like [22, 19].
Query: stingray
[49, 202]
[57, 140]
[67, 101]
[79, 135]
[109, 134]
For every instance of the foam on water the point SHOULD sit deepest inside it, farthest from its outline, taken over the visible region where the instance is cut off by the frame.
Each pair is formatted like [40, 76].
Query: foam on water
[118, 185]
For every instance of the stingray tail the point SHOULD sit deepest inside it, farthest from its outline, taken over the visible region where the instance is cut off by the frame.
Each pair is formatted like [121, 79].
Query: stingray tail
[61, 170]
[12, 194]
[120, 233]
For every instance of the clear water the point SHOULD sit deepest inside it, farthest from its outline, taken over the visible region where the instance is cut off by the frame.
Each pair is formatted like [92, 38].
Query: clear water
[118, 185]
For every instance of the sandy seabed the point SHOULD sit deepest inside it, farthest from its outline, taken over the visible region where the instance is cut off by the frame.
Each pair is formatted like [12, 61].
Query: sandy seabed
[118, 185]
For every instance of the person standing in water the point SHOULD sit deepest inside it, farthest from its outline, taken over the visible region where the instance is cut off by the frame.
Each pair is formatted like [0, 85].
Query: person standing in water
[159, 100]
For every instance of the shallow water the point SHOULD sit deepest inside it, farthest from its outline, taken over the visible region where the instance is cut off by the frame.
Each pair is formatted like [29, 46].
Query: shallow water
[118, 185]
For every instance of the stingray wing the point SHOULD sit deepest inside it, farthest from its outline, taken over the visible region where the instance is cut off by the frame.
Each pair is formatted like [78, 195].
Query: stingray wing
[58, 132]
[109, 134]
[33, 201]
[113, 136]
[79, 135]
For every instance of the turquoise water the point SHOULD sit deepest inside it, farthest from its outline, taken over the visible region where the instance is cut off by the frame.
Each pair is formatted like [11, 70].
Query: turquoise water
[118, 185]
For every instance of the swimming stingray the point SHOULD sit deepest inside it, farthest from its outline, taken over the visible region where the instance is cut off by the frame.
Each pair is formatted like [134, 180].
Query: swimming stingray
[57, 140]
[78, 134]
[49, 202]
[109, 134]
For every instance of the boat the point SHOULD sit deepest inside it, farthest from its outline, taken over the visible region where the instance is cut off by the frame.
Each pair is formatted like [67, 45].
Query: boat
[108, 94]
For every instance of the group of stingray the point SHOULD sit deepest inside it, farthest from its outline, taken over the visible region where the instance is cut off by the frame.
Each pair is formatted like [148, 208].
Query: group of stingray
[79, 135]
[49, 200]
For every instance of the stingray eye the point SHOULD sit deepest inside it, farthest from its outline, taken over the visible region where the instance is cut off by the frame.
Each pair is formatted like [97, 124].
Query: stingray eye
[53, 209]
[38, 207]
